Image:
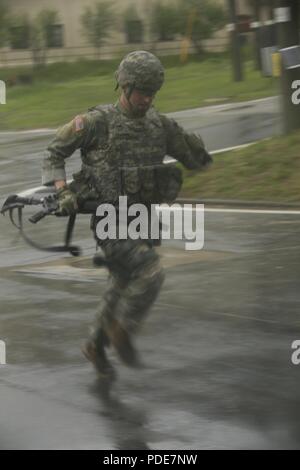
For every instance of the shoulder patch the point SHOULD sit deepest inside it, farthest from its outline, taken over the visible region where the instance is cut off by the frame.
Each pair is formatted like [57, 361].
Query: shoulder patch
[78, 123]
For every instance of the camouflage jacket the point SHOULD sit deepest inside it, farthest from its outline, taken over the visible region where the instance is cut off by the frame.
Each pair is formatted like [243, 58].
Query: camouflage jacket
[122, 155]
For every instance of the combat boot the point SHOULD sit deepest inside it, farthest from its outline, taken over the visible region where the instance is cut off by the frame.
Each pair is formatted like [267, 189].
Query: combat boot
[121, 340]
[97, 356]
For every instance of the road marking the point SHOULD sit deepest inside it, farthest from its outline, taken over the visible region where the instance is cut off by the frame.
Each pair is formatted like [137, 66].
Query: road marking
[235, 147]
[169, 159]
[237, 211]
[28, 132]
[220, 107]
[255, 211]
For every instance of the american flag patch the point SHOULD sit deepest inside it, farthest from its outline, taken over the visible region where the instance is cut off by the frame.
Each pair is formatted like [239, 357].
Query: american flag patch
[79, 124]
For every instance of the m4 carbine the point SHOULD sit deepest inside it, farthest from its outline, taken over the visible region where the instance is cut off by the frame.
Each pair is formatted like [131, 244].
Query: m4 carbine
[47, 199]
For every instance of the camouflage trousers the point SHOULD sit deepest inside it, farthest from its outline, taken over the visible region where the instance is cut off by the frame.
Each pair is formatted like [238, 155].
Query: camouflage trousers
[134, 283]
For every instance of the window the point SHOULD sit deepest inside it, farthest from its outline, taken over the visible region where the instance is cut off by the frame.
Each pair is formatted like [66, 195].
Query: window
[134, 31]
[55, 35]
[20, 37]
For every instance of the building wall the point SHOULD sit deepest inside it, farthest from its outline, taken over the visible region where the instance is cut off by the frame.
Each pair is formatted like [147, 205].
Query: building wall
[75, 43]
[70, 12]
[244, 8]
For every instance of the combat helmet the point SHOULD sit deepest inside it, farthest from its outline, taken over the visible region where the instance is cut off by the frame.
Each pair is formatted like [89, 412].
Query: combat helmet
[142, 70]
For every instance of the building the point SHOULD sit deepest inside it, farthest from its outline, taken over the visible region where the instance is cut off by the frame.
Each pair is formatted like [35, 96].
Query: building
[67, 42]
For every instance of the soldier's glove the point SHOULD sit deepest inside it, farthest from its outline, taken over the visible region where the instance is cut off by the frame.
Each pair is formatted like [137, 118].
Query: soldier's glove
[206, 159]
[67, 202]
[201, 157]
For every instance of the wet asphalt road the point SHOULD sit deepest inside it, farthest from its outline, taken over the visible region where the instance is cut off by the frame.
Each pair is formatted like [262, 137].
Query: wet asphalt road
[221, 126]
[216, 347]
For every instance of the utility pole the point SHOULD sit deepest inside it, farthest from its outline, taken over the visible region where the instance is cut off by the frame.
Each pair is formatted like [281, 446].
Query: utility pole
[271, 6]
[295, 8]
[235, 42]
[271, 21]
[287, 19]
[256, 26]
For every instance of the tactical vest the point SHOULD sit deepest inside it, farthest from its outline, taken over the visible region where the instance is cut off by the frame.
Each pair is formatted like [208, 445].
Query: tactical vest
[126, 158]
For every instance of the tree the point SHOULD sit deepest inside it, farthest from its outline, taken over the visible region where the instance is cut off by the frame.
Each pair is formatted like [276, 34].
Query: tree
[164, 22]
[97, 22]
[33, 34]
[199, 20]
[40, 35]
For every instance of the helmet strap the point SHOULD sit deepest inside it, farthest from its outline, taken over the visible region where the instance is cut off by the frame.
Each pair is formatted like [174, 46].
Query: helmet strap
[128, 92]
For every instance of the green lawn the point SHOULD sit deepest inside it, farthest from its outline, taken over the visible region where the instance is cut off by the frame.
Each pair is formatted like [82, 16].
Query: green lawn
[267, 171]
[60, 91]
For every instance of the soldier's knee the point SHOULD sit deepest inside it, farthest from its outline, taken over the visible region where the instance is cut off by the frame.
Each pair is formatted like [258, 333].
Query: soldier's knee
[159, 276]
[133, 260]
[146, 275]
[152, 279]
[142, 258]
[157, 283]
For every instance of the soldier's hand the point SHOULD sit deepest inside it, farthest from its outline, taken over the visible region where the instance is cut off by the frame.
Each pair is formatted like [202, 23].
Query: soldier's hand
[206, 159]
[67, 201]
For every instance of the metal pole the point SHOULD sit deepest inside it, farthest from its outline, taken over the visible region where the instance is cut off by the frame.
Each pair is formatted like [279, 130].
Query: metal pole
[287, 18]
[295, 11]
[235, 43]
[257, 26]
[270, 8]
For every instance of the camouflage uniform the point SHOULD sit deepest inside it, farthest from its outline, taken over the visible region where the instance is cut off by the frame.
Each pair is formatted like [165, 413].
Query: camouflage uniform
[122, 155]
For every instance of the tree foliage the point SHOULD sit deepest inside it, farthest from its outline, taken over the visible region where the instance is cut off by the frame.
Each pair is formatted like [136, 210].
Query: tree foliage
[97, 22]
[164, 22]
[196, 20]
[199, 20]
[33, 34]
[40, 34]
